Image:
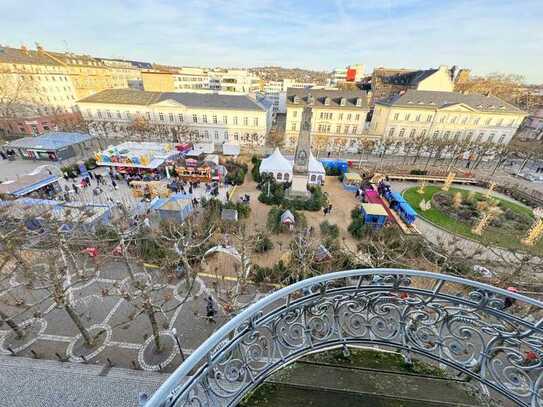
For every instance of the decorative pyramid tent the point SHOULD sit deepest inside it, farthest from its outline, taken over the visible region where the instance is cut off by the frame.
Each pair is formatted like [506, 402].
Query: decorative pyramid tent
[316, 171]
[277, 165]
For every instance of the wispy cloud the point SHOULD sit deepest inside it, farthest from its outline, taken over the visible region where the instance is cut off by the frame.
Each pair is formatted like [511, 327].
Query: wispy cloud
[485, 35]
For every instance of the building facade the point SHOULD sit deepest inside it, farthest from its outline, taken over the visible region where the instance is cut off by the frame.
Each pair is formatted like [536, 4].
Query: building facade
[350, 74]
[276, 92]
[157, 116]
[338, 120]
[446, 115]
[532, 127]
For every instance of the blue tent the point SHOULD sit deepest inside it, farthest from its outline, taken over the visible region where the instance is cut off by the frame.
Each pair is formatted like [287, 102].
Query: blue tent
[176, 207]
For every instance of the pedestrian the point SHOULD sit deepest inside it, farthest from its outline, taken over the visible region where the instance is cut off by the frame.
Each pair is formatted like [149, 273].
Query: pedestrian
[66, 188]
[114, 184]
[3, 155]
[91, 176]
[325, 211]
[328, 155]
[330, 208]
[76, 190]
[210, 310]
[190, 190]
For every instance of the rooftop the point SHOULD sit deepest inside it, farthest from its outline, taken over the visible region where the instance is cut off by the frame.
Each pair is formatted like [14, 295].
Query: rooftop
[50, 141]
[189, 99]
[26, 184]
[439, 100]
[374, 209]
[25, 56]
[319, 97]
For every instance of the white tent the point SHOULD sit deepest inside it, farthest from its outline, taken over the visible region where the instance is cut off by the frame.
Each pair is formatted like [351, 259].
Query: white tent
[316, 171]
[279, 166]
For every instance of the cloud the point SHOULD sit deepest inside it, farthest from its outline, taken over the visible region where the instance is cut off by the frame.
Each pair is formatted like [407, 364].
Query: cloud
[484, 35]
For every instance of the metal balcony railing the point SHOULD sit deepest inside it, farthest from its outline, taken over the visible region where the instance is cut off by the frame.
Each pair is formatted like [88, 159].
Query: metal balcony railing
[492, 335]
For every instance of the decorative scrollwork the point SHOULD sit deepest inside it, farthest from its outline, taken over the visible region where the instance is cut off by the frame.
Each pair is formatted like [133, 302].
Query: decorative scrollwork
[479, 330]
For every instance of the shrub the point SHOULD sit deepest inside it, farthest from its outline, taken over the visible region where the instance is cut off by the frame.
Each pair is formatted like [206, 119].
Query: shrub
[332, 171]
[418, 172]
[329, 230]
[243, 209]
[263, 244]
[357, 227]
[255, 171]
[236, 172]
[91, 163]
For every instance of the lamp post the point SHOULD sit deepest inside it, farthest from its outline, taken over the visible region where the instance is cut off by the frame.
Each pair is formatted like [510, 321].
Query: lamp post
[174, 332]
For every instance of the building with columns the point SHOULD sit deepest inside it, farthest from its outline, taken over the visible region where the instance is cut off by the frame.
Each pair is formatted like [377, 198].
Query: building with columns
[446, 115]
[338, 121]
[171, 116]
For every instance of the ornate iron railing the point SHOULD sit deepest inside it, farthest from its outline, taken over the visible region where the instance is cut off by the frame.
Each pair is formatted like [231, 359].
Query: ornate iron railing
[490, 334]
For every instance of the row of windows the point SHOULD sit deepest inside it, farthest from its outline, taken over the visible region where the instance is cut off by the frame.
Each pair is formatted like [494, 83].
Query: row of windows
[330, 116]
[454, 119]
[179, 117]
[448, 135]
[327, 128]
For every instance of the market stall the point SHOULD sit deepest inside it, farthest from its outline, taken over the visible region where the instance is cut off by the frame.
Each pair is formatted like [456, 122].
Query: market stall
[278, 166]
[351, 181]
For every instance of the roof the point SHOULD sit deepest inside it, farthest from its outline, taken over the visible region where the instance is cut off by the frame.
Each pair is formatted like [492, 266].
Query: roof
[275, 162]
[408, 78]
[315, 165]
[318, 97]
[26, 184]
[50, 141]
[229, 214]
[20, 56]
[287, 217]
[439, 100]
[174, 203]
[374, 209]
[352, 176]
[196, 100]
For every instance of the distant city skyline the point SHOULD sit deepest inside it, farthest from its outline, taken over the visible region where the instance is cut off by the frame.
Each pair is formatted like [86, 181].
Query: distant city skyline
[483, 35]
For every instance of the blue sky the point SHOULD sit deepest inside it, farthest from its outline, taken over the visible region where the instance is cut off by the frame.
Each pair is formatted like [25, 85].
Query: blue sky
[484, 35]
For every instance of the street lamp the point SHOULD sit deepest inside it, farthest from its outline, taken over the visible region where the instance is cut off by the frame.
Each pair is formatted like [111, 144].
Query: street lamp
[174, 332]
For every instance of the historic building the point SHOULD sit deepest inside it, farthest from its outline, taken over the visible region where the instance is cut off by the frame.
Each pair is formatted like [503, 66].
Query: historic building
[338, 121]
[446, 115]
[171, 116]
[276, 92]
[385, 82]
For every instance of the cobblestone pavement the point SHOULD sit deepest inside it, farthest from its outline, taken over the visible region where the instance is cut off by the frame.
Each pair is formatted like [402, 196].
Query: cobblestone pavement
[42, 383]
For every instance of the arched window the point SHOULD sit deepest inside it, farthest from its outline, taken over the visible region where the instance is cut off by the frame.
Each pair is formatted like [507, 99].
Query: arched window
[319, 178]
[287, 176]
[402, 133]
[313, 178]
[279, 176]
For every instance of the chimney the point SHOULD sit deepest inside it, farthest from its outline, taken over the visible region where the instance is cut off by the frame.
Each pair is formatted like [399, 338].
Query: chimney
[24, 49]
[39, 48]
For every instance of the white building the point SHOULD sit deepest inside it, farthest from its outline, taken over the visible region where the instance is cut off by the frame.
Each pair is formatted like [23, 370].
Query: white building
[276, 92]
[180, 117]
[352, 73]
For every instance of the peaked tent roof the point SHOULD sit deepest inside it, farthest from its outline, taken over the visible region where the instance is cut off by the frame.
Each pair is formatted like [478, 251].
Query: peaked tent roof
[315, 165]
[275, 162]
[287, 217]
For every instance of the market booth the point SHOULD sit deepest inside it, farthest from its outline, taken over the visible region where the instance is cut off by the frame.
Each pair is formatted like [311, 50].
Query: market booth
[351, 181]
[41, 185]
[138, 158]
[175, 208]
[278, 166]
[374, 215]
[316, 171]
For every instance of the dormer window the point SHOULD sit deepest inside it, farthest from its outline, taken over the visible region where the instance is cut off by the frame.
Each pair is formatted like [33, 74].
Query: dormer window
[309, 99]
[296, 99]
[327, 101]
[343, 102]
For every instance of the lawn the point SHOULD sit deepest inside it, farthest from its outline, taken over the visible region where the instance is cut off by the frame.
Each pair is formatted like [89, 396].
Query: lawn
[493, 235]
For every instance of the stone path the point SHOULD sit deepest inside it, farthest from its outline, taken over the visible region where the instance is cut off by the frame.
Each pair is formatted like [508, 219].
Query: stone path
[42, 383]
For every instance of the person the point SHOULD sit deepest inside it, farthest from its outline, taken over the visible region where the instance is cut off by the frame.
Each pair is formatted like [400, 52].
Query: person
[75, 188]
[330, 208]
[91, 176]
[328, 154]
[3, 155]
[210, 309]
[325, 211]
[114, 183]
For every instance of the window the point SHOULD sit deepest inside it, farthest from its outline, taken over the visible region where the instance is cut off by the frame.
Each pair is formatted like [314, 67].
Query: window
[206, 134]
[456, 136]
[128, 115]
[436, 134]
[391, 132]
[501, 139]
[328, 127]
[321, 116]
[346, 130]
[108, 114]
[453, 120]
[226, 136]
[195, 118]
[442, 119]
[214, 119]
[340, 116]
[216, 135]
[402, 132]
[349, 116]
[225, 119]
[469, 137]
[412, 133]
[447, 135]
[279, 176]
[171, 117]
[338, 128]
[235, 120]
[148, 116]
[236, 137]
[407, 117]
[480, 137]
[488, 121]
[476, 121]
[161, 116]
[423, 133]
[293, 126]
[396, 116]
[465, 120]
[255, 122]
[245, 121]
[357, 117]
[99, 114]
[417, 118]
[118, 114]
[180, 118]
[491, 138]
[204, 118]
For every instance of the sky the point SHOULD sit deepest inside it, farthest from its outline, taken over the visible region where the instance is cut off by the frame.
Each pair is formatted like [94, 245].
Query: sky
[483, 35]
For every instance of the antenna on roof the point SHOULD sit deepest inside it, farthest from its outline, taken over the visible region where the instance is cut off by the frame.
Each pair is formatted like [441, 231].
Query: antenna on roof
[65, 45]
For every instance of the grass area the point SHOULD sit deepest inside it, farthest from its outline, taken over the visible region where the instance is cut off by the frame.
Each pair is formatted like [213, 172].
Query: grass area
[492, 235]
